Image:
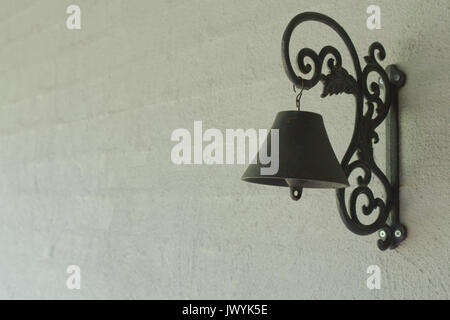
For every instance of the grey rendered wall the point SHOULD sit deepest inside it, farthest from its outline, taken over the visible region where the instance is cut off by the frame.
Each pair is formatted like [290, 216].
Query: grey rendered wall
[85, 170]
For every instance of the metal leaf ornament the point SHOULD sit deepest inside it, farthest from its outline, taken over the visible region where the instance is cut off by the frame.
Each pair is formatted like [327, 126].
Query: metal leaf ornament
[338, 81]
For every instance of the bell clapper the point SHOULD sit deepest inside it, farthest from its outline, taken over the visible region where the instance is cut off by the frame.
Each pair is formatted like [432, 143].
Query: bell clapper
[296, 193]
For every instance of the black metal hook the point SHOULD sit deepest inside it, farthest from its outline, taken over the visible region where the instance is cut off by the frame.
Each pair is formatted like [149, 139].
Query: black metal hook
[299, 96]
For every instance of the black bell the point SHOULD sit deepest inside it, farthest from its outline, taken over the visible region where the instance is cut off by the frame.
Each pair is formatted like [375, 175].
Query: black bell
[306, 158]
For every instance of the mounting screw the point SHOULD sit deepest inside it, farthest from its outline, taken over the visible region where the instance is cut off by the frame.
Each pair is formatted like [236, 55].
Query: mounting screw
[398, 233]
[380, 80]
[396, 76]
[382, 234]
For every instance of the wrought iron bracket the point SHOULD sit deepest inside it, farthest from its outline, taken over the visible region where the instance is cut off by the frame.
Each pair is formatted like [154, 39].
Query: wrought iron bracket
[372, 108]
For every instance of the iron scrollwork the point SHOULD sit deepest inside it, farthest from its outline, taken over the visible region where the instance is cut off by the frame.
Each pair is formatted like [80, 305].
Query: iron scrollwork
[339, 80]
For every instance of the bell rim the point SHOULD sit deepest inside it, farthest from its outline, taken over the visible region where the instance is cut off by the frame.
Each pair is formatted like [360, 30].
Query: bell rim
[340, 184]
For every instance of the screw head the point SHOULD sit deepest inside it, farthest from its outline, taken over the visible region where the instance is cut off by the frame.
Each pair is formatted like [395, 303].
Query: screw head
[398, 233]
[380, 80]
[396, 77]
[382, 234]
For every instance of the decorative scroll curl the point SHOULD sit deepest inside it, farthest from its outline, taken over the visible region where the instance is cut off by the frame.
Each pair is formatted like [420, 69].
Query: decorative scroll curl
[338, 80]
[334, 62]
